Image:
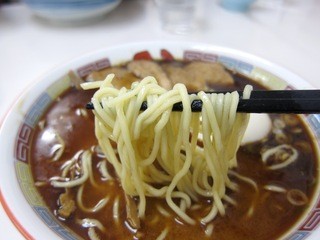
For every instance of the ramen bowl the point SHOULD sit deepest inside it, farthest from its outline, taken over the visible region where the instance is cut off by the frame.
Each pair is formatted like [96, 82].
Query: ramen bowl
[71, 10]
[19, 196]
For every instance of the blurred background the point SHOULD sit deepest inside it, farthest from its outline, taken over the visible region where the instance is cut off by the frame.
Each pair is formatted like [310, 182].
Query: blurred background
[38, 35]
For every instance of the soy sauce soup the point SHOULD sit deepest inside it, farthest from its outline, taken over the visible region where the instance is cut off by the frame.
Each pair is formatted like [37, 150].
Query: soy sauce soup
[266, 210]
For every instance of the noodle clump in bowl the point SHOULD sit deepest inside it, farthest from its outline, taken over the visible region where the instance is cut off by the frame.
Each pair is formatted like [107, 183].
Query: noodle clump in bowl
[119, 172]
[159, 147]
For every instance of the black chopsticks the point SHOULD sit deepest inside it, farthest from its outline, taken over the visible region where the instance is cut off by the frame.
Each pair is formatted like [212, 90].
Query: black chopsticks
[261, 101]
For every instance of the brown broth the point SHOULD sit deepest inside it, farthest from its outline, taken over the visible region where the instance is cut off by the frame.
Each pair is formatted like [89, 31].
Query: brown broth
[273, 215]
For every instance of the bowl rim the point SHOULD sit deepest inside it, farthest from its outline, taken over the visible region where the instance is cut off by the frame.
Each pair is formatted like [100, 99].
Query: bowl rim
[135, 47]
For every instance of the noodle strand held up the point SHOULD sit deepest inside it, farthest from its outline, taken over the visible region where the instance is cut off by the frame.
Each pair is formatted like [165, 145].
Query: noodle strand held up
[157, 148]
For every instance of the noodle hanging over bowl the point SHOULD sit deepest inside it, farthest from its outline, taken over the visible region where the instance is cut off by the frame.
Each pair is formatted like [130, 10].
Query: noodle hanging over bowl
[135, 168]
[155, 153]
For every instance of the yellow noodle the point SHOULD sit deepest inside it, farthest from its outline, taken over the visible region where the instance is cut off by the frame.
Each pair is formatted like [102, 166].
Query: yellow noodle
[115, 209]
[293, 156]
[91, 223]
[158, 151]
[209, 229]
[93, 235]
[163, 211]
[163, 234]
[86, 173]
[101, 203]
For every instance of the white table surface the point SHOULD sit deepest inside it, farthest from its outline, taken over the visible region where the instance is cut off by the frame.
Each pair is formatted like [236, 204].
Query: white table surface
[287, 34]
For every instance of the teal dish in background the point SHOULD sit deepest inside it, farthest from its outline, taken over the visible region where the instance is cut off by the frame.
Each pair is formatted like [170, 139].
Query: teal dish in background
[237, 5]
[71, 10]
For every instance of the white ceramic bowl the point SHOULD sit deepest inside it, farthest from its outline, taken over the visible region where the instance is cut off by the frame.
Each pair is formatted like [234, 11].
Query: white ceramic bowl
[71, 10]
[18, 195]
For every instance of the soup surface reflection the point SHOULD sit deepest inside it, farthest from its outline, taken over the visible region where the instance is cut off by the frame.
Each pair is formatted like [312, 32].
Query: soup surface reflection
[267, 211]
